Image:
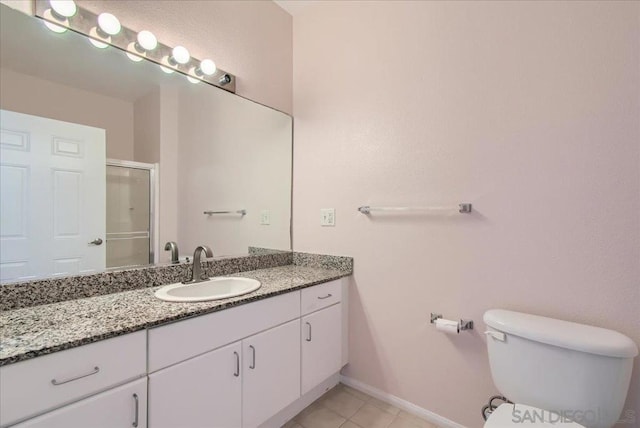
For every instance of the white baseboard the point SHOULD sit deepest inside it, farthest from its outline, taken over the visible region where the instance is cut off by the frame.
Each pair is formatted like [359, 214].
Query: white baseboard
[425, 414]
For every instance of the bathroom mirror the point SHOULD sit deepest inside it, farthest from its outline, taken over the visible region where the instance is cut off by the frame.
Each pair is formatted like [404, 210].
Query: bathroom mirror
[178, 161]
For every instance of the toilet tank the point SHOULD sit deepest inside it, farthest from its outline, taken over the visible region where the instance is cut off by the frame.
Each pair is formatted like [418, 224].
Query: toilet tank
[580, 371]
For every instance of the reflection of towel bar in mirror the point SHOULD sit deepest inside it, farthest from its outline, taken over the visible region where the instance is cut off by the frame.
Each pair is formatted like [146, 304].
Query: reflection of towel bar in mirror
[464, 208]
[241, 212]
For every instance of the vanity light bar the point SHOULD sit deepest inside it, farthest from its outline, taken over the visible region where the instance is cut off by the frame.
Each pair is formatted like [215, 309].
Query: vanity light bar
[104, 34]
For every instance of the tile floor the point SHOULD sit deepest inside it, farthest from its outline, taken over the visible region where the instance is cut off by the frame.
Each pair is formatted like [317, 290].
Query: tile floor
[345, 407]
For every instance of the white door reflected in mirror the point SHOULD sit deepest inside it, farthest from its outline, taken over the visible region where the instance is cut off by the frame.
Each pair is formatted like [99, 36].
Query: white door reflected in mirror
[52, 197]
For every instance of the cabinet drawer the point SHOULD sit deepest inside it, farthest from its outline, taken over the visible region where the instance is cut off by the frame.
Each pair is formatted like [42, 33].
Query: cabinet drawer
[46, 382]
[320, 296]
[181, 340]
[123, 406]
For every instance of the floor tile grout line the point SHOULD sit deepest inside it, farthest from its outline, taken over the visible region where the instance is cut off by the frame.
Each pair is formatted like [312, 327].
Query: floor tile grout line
[364, 398]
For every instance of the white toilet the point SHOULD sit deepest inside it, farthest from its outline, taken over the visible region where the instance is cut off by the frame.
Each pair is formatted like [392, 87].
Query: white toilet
[573, 375]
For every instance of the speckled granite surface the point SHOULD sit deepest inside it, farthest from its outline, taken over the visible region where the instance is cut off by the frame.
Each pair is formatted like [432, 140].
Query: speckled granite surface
[40, 330]
[41, 292]
[323, 261]
[261, 251]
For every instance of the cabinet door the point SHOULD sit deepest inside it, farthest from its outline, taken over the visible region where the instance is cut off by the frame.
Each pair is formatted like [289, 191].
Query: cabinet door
[321, 338]
[204, 391]
[271, 377]
[124, 406]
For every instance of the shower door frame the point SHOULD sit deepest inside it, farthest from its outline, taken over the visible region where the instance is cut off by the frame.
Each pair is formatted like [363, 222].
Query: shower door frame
[154, 222]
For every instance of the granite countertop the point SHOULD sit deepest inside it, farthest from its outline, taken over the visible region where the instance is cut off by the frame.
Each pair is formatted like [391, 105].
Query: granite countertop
[39, 330]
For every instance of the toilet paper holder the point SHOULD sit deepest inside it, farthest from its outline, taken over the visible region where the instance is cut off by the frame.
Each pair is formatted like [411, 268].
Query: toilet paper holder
[462, 324]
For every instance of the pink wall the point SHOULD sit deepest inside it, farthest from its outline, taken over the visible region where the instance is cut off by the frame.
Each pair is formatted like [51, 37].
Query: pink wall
[251, 39]
[529, 110]
[40, 97]
[230, 163]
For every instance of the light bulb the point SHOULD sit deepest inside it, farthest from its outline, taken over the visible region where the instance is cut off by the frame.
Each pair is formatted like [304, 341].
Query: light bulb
[65, 8]
[130, 49]
[180, 54]
[132, 57]
[207, 67]
[53, 27]
[98, 44]
[166, 65]
[109, 23]
[94, 36]
[49, 17]
[194, 75]
[147, 40]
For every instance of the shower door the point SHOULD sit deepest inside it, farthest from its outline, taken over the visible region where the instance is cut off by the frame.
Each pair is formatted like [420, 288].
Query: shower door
[129, 213]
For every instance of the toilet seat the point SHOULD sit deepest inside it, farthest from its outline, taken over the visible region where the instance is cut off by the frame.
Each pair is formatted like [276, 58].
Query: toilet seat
[523, 416]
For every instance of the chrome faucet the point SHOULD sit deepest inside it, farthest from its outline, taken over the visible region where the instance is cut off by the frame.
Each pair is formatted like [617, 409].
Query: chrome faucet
[173, 247]
[197, 275]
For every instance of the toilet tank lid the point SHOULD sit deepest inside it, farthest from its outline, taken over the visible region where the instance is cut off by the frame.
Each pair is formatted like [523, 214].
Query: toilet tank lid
[564, 334]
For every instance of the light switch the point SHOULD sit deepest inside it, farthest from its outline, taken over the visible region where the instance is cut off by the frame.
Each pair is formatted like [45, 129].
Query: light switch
[327, 217]
[265, 217]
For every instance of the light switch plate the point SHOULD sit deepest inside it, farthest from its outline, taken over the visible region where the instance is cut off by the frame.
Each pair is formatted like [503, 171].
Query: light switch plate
[327, 217]
[265, 217]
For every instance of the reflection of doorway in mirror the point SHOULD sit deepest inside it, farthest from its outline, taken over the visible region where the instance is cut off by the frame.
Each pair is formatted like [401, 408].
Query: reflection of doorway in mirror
[52, 197]
[130, 213]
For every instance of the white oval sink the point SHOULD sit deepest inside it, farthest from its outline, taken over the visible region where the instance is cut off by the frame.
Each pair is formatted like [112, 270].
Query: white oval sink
[213, 289]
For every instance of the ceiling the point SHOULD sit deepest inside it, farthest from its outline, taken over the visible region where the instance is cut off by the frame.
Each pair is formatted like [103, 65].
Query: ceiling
[294, 7]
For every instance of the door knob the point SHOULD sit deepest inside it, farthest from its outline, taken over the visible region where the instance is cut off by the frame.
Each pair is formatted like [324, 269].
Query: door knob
[96, 241]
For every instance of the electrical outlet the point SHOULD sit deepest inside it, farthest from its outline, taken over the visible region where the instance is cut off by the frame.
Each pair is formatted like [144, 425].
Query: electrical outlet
[327, 217]
[265, 217]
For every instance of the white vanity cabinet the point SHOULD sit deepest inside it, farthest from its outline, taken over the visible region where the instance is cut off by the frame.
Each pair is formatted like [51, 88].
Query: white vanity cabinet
[221, 369]
[321, 345]
[42, 384]
[271, 375]
[205, 391]
[321, 333]
[232, 386]
[242, 367]
[124, 406]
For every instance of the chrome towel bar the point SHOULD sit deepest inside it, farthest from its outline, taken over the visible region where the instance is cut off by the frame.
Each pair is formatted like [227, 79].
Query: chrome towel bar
[241, 212]
[464, 208]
